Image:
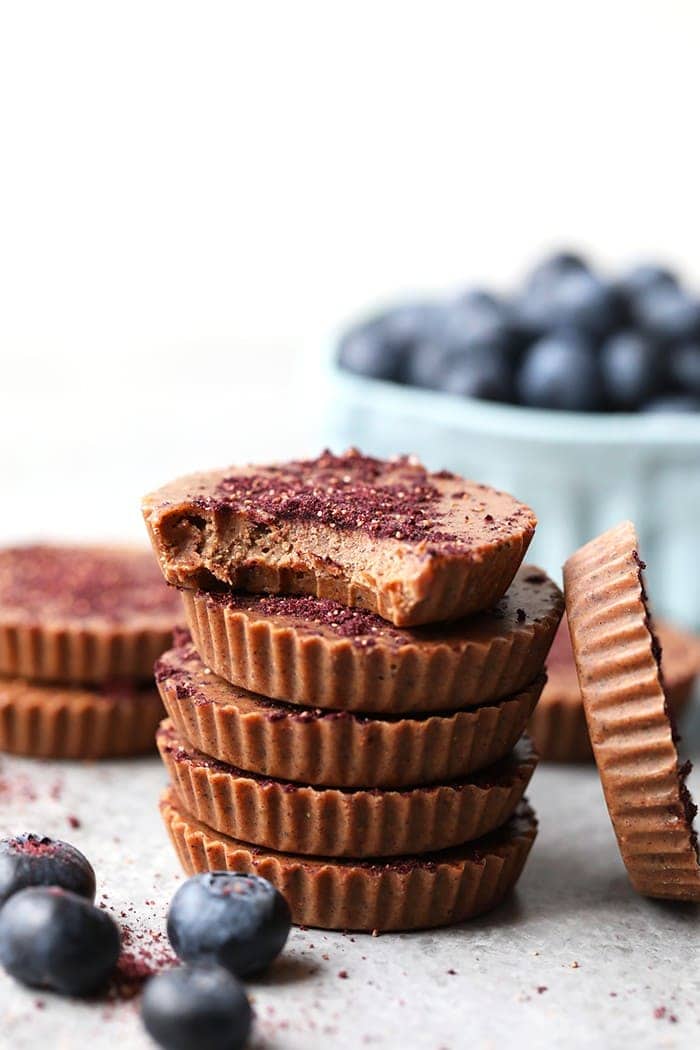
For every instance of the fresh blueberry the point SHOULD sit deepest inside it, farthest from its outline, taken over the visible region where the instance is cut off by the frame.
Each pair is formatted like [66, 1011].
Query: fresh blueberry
[674, 403]
[561, 371]
[237, 920]
[632, 370]
[196, 1008]
[482, 373]
[51, 938]
[668, 314]
[684, 366]
[643, 278]
[34, 860]
[549, 270]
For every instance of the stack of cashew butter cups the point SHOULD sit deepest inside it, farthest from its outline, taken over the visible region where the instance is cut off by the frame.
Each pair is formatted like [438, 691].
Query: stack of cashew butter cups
[80, 628]
[347, 711]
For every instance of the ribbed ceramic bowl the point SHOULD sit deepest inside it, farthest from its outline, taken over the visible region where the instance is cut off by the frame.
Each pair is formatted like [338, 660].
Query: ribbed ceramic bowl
[581, 472]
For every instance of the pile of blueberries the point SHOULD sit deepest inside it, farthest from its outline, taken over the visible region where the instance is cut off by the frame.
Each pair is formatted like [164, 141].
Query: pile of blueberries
[223, 926]
[567, 339]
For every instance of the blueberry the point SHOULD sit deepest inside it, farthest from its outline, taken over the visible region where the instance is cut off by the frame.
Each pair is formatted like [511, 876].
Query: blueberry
[364, 351]
[643, 278]
[477, 316]
[552, 268]
[380, 348]
[51, 938]
[196, 1008]
[668, 314]
[632, 370]
[674, 403]
[576, 300]
[425, 365]
[561, 371]
[585, 302]
[237, 920]
[483, 373]
[406, 325]
[684, 366]
[34, 860]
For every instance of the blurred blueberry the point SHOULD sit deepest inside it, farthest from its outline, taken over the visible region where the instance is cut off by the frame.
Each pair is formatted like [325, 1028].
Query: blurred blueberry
[532, 314]
[668, 314]
[381, 347]
[673, 403]
[552, 268]
[561, 371]
[631, 369]
[641, 279]
[483, 373]
[576, 299]
[196, 1008]
[583, 301]
[364, 351]
[477, 316]
[425, 365]
[53, 938]
[409, 323]
[684, 366]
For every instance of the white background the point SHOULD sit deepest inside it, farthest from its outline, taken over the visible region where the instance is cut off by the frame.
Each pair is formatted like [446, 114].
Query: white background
[191, 195]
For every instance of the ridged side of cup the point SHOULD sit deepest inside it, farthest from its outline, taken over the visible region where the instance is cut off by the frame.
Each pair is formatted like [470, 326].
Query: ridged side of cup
[342, 749]
[80, 654]
[296, 818]
[43, 721]
[559, 729]
[301, 668]
[406, 894]
[628, 719]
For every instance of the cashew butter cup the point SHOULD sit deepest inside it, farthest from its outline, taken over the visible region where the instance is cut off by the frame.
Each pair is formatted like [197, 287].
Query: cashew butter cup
[558, 723]
[107, 721]
[321, 654]
[618, 660]
[82, 615]
[334, 748]
[386, 535]
[402, 893]
[297, 818]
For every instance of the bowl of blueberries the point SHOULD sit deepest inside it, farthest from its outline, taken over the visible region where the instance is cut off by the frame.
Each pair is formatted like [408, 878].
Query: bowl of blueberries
[579, 390]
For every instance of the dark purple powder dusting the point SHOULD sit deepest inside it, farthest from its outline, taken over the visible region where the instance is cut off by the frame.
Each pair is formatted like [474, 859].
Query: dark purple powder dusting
[366, 628]
[309, 613]
[34, 845]
[344, 492]
[144, 954]
[81, 582]
[344, 621]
